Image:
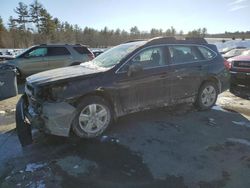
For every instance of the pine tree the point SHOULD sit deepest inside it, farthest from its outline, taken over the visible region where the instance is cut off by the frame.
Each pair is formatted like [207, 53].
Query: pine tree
[23, 15]
[12, 24]
[48, 25]
[35, 14]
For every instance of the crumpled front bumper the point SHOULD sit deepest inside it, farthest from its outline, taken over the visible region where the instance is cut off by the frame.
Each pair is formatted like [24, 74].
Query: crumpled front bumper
[54, 118]
[57, 117]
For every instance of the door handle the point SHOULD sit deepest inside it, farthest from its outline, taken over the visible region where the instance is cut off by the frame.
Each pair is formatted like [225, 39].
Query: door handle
[200, 67]
[179, 77]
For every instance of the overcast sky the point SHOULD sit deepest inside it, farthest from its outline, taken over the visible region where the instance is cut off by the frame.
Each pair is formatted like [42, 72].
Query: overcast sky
[217, 16]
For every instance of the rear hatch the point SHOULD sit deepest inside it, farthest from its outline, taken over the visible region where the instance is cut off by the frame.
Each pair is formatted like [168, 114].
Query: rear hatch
[85, 52]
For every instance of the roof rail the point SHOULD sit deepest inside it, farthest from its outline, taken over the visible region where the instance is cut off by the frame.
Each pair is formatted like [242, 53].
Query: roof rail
[159, 40]
[196, 40]
[135, 40]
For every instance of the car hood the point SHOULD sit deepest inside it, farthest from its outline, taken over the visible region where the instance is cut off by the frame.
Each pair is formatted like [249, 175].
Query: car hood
[240, 58]
[9, 60]
[7, 57]
[62, 74]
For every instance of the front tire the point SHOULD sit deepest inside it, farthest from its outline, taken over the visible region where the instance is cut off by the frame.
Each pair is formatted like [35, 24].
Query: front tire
[22, 127]
[93, 117]
[207, 96]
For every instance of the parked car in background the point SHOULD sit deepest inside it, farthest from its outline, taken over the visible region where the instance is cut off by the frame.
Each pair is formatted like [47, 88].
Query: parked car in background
[49, 56]
[127, 78]
[97, 52]
[240, 74]
[234, 52]
[225, 50]
[6, 57]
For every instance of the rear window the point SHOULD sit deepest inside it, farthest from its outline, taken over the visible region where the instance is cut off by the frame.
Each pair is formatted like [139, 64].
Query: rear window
[82, 50]
[57, 51]
[182, 54]
[207, 54]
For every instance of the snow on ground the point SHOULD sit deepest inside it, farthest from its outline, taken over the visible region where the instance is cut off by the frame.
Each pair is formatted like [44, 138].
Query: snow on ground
[242, 123]
[34, 166]
[239, 141]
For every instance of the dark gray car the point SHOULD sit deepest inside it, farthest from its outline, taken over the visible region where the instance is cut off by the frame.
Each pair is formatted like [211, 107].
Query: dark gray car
[128, 78]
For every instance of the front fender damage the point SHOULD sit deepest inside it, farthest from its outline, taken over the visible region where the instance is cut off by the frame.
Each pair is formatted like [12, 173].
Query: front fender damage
[23, 128]
[55, 119]
[58, 117]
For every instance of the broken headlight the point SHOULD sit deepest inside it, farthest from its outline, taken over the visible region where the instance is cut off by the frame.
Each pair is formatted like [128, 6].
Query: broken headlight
[57, 92]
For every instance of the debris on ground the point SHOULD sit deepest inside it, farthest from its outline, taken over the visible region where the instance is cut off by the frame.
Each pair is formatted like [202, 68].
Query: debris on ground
[239, 141]
[242, 123]
[34, 166]
[105, 138]
[211, 122]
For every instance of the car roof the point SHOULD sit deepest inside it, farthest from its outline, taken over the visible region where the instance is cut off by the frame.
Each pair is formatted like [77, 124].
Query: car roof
[63, 45]
[171, 40]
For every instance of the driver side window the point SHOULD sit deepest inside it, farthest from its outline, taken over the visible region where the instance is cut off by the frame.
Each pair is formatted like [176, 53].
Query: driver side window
[39, 52]
[148, 58]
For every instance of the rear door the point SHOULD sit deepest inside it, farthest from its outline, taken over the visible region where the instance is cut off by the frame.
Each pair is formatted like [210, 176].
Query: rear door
[150, 87]
[58, 57]
[187, 70]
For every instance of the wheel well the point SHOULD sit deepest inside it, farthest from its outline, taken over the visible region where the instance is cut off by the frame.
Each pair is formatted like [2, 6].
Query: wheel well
[214, 80]
[21, 76]
[101, 94]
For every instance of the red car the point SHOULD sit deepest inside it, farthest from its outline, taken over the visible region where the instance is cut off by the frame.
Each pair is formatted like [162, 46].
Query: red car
[240, 74]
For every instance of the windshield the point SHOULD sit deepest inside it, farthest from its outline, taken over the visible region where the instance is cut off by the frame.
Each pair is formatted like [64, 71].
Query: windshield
[114, 55]
[19, 55]
[246, 53]
[234, 52]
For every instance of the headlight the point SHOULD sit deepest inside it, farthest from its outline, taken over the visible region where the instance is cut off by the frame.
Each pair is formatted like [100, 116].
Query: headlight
[58, 91]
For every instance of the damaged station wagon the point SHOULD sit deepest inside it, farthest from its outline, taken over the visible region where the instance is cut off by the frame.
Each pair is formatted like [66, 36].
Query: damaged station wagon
[130, 77]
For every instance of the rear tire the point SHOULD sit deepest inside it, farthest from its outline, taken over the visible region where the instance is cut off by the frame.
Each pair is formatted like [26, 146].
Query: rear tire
[93, 117]
[207, 96]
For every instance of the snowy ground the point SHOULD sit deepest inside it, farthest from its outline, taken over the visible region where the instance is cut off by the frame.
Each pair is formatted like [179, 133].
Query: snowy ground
[172, 147]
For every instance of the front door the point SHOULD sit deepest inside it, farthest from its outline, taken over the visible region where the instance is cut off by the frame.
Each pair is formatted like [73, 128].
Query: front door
[33, 61]
[148, 87]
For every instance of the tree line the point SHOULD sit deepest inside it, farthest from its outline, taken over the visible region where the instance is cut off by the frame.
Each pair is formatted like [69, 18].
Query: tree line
[33, 24]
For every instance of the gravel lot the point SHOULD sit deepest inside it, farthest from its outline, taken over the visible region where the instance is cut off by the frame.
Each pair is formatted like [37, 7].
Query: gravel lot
[170, 147]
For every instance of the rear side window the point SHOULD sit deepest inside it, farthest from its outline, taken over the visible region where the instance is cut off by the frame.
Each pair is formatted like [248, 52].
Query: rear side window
[183, 54]
[58, 51]
[207, 54]
[82, 50]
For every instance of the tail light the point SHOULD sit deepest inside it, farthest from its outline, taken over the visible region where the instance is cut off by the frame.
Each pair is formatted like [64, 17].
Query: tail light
[91, 56]
[227, 64]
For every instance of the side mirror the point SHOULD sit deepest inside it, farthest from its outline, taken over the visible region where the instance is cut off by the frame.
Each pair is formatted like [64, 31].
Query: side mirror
[26, 56]
[134, 69]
